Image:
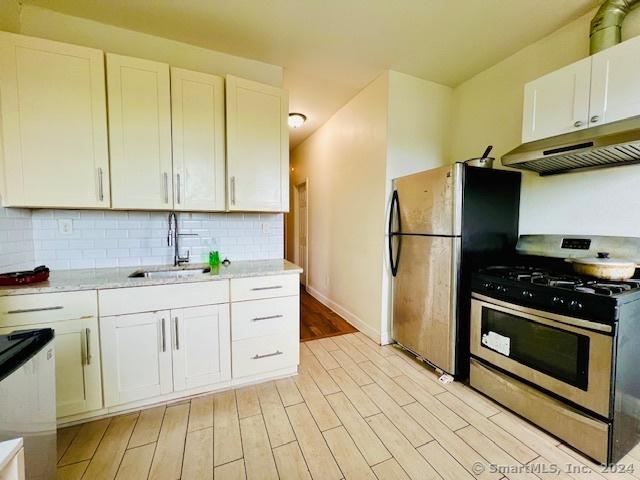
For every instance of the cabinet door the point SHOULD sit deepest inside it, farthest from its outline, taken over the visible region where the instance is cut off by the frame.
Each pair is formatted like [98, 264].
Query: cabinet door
[615, 77]
[557, 103]
[139, 133]
[54, 124]
[197, 121]
[78, 375]
[201, 346]
[257, 146]
[136, 356]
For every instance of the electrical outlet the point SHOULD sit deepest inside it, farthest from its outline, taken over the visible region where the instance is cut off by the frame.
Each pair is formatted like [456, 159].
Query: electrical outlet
[65, 226]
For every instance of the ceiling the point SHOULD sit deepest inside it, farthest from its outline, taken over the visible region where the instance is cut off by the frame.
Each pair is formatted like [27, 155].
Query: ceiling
[330, 49]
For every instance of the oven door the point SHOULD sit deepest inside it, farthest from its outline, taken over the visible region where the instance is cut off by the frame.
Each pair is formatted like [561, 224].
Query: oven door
[556, 353]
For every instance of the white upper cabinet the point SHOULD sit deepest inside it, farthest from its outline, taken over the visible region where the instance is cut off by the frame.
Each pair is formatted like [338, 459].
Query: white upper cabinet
[615, 83]
[557, 102]
[139, 133]
[53, 124]
[257, 146]
[197, 111]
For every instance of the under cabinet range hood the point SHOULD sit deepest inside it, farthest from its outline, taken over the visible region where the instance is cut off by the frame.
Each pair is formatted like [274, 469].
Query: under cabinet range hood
[603, 146]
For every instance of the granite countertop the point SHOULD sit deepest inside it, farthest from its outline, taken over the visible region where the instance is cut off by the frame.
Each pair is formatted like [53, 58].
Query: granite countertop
[104, 278]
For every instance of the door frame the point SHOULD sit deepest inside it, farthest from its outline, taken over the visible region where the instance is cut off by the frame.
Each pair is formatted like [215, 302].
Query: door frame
[296, 225]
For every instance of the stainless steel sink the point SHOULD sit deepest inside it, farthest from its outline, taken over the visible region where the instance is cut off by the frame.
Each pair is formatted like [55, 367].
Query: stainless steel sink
[170, 273]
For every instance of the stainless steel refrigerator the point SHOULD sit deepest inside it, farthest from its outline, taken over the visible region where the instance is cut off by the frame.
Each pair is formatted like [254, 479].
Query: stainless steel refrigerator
[443, 224]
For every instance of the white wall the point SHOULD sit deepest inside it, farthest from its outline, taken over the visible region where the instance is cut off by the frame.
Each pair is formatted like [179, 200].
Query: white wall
[40, 22]
[345, 162]
[10, 15]
[488, 110]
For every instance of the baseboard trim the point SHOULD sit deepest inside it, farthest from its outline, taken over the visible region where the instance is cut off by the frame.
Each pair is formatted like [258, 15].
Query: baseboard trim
[346, 314]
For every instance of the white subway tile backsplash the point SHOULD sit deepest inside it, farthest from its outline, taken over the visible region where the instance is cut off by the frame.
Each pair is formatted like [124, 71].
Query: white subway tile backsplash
[16, 239]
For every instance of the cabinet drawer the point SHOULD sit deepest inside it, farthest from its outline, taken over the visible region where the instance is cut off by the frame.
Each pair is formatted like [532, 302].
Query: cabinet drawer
[259, 318]
[254, 356]
[16, 310]
[120, 301]
[256, 288]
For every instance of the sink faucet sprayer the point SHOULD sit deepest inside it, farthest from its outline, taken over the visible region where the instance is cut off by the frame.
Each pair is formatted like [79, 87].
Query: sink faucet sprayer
[172, 239]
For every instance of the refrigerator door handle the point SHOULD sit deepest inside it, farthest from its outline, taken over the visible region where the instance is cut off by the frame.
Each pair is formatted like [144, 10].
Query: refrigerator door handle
[395, 208]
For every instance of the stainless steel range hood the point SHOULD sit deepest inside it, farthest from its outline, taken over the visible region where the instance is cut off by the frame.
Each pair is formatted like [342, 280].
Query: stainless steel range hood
[603, 146]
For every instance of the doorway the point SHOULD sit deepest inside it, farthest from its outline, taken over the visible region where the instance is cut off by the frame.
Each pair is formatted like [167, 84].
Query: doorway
[301, 217]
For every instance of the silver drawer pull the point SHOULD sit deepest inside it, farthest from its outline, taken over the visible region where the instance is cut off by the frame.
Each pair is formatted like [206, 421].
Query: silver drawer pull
[164, 337]
[274, 354]
[87, 338]
[271, 317]
[31, 310]
[275, 287]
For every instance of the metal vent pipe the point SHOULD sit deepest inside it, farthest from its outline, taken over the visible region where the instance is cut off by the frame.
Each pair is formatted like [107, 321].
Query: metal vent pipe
[606, 24]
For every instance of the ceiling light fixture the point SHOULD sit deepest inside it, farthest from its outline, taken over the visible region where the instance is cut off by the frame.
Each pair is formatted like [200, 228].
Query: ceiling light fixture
[296, 120]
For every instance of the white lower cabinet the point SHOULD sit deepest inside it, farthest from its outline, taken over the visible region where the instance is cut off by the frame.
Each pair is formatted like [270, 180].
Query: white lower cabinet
[136, 357]
[147, 355]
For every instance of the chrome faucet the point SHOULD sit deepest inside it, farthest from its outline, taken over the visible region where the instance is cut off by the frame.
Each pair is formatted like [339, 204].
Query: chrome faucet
[172, 240]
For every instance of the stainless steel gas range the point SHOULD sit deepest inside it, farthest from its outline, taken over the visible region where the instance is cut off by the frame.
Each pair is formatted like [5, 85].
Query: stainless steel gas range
[560, 349]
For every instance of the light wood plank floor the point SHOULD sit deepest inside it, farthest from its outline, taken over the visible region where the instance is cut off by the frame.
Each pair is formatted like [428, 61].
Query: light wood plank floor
[355, 411]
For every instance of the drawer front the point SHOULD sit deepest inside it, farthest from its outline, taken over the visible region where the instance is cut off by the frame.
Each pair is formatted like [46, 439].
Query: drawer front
[256, 288]
[16, 310]
[120, 301]
[254, 356]
[260, 318]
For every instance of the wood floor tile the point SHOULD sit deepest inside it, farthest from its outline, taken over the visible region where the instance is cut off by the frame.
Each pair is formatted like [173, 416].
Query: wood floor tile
[328, 344]
[408, 457]
[73, 471]
[379, 361]
[359, 399]
[275, 417]
[492, 452]
[417, 376]
[136, 463]
[400, 418]
[520, 428]
[288, 391]
[248, 403]
[506, 441]
[431, 403]
[317, 403]
[167, 461]
[595, 469]
[64, 438]
[85, 442]
[389, 385]
[462, 452]
[474, 399]
[314, 448]
[230, 471]
[443, 462]
[201, 414]
[198, 455]
[325, 359]
[310, 365]
[349, 458]
[106, 460]
[547, 470]
[290, 462]
[258, 458]
[227, 445]
[347, 347]
[148, 426]
[379, 349]
[367, 441]
[390, 470]
[352, 368]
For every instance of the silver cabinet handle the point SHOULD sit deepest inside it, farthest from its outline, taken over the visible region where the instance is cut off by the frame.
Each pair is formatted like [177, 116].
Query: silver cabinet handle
[164, 338]
[87, 339]
[595, 119]
[274, 354]
[177, 188]
[271, 317]
[233, 190]
[274, 287]
[31, 310]
[100, 186]
[175, 325]
[166, 187]
[579, 123]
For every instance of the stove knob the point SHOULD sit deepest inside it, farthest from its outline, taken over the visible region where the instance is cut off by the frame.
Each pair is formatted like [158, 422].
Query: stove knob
[488, 286]
[575, 305]
[557, 301]
[527, 294]
[502, 289]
